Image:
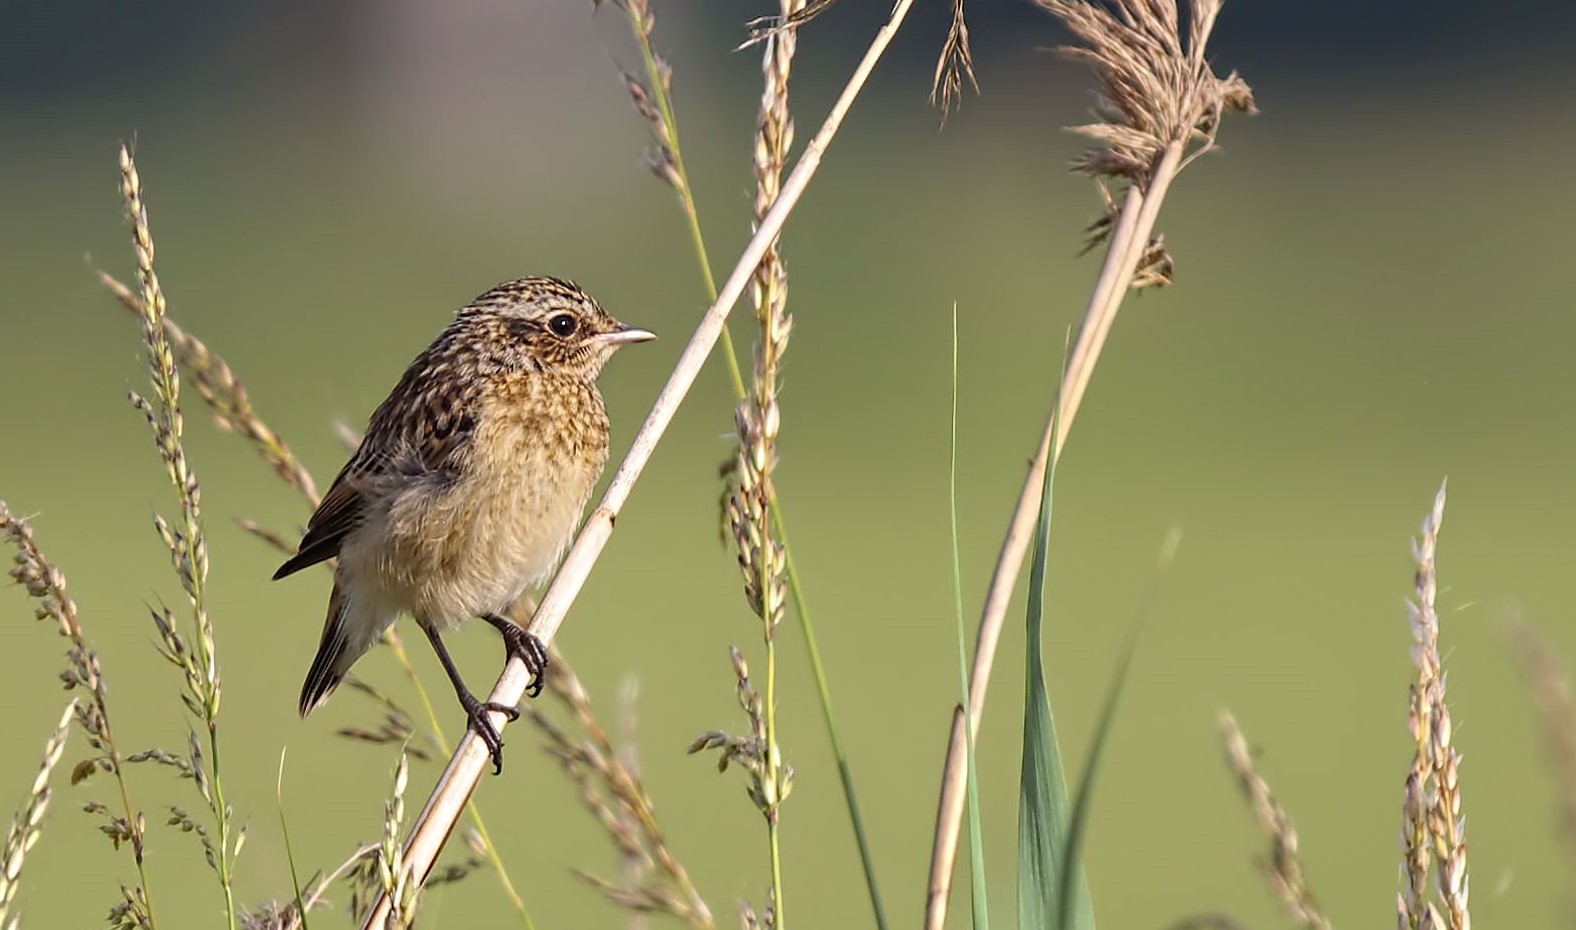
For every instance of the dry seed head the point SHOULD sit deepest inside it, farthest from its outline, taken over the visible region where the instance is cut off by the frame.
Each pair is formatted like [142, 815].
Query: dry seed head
[954, 66]
[1283, 865]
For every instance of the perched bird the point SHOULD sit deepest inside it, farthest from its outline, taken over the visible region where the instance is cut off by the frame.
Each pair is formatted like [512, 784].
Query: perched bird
[468, 483]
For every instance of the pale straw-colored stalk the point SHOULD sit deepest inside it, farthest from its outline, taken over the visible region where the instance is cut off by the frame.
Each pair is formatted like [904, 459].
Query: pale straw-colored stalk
[1159, 107]
[458, 781]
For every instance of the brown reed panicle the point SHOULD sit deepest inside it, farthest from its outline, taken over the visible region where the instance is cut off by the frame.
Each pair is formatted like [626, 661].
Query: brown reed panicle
[28, 823]
[612, 789]
[954, 66]
[47, 584]
[1434, 830]
[226, 396]
[1550, 684]
[1158, 108]
[1283, 866]
[187, 543]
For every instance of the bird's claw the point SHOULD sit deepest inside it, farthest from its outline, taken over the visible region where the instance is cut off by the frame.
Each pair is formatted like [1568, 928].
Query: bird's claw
[476, 712]
[530, 650]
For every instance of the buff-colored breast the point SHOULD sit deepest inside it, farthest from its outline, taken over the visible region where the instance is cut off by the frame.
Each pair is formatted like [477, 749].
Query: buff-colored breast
[470, 543]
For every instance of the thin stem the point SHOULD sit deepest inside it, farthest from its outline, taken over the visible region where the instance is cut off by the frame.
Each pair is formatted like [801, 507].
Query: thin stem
[458, 781]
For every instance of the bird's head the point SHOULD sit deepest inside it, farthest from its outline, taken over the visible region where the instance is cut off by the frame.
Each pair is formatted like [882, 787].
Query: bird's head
[551, 325]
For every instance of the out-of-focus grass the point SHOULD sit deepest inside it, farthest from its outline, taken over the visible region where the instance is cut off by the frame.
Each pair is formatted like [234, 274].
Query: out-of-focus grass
[1362, 308]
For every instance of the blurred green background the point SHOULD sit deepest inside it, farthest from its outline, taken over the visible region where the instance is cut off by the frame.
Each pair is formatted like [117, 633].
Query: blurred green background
[1372, 294]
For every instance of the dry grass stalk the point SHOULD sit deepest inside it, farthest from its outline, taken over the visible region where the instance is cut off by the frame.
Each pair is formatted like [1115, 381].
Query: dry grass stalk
[28, 824]
[1283, 865]
[1434, 831]
[395, 727]
[762, 555]
[217, 384]
[1159, 108]
[186, 543]
[611, 788]
[464, 772]
[1550, 684]
[47, 583]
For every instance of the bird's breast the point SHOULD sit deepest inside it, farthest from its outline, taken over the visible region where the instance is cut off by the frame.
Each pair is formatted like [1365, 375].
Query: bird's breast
[500, 525]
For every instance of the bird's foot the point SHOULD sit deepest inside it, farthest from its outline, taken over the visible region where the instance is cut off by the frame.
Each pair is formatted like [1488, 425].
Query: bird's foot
[526, 646]
[476, 711]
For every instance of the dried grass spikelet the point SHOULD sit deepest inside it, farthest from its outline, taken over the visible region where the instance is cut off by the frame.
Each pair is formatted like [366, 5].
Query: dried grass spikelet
[27, 826]
[750, 753]
[1156, 95]
[1434, 830]
[394, 879]
[1283, 866]
[218, 385]
[954, 66]
[612, 790]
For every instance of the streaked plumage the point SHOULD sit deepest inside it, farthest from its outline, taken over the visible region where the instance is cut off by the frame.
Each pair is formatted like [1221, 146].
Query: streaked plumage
[470, 479]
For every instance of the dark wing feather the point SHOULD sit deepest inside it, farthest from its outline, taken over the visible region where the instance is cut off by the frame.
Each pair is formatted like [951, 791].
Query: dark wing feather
[423, 426]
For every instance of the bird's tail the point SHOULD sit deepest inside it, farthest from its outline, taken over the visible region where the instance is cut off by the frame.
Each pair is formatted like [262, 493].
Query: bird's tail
[342, 644]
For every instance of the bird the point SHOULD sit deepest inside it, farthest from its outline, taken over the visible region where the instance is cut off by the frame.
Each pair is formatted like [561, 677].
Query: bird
[468, 485]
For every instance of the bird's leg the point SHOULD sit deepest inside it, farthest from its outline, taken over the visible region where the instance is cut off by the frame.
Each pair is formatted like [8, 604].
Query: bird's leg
[475, 709]
[526, 646]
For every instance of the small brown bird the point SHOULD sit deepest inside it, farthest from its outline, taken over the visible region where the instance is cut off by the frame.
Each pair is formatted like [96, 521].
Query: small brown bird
[469, 483]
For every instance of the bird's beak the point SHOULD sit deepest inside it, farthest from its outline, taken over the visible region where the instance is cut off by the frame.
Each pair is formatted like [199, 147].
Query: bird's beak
[627, 334]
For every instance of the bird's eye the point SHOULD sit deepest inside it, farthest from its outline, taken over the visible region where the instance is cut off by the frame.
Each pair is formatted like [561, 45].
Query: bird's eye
[563, 325]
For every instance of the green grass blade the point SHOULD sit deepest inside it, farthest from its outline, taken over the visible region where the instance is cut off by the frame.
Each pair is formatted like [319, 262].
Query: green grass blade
[1073, 852]
[284, 828]
[1043, 806]
[976, 837]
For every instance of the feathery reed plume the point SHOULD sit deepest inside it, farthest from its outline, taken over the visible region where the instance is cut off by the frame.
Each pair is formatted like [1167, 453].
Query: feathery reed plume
[47, 584]
[762, 557]
[1159, 107]
[653, 101]
[1550, 684]
[187, 544]
[954, 66]
[613, 792]
[1434, 831]
[225, 394]
[459, 780]
[1283, 866]
[28, 824]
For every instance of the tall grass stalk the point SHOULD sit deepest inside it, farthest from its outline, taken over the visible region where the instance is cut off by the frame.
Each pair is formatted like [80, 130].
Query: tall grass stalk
[187, 543]
[27, 826]
[653, 99]
[1159, 107]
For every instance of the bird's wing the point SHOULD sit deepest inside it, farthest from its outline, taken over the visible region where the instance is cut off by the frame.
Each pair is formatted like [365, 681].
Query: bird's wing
[423, 427]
